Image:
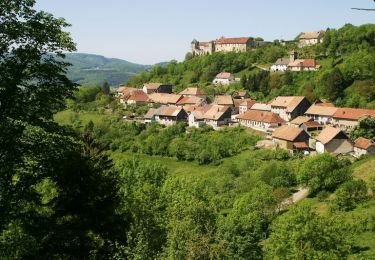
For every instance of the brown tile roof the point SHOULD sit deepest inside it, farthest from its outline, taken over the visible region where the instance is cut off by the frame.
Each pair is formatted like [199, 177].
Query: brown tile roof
[241, 40]
[193, 92]
[312, 124]
[150, 113]
[215, 112]
[363, 143]
[312, 35]
[307, 63]
[321, 110]
[300, 145]
[261, 106]
[190, 101]
[224, 75]
[328, 134]
[288, 133]
[225, 100]
[261, 116]
[164, 98]
[126, 91]
[168, 111]
[353, 113]
[138, 96]
[300, 120]
[152, 85]
[288, 102]
[323, 103]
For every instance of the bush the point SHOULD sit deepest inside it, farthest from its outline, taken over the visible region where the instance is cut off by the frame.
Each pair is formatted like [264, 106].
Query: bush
[350, 194]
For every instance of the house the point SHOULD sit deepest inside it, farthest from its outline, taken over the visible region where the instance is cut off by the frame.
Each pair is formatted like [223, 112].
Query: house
[311, 126]
[241, 44]
[320, 113]
[150, 88]
[167, 115]
[304, 65]
[347, 118]
[165, 99]
[149, 116]
[363, 146]
[281, 65]
[244, 104]
[138, 97]
[191, 101]
[196, 113]
[217, 116]
[289, 107]
[333, 140]
[224, 78]
[194, 92]
[298, 121]
[123, 93]
[291, 138]
[311, 38]
[224, 100]
[260, 120]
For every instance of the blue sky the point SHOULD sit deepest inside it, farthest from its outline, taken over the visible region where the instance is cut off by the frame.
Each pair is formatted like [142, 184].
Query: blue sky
[151, 31]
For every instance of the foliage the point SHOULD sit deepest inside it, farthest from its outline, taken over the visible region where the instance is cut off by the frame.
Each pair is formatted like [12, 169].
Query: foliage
[323, 172]
[365, 128]
[303, 234]
[350, 194]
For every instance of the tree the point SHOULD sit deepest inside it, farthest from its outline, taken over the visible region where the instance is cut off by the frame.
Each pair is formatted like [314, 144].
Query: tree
[365, 128]
[247, 224]
[106, 88]
[323, 172]
[333, 82]
[303, 234]
[351, 193]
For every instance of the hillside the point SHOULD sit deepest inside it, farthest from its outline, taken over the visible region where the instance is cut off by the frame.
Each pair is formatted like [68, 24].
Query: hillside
[346, 76]
[89, 69]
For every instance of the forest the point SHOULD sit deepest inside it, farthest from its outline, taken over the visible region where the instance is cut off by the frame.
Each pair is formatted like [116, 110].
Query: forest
[79, 182]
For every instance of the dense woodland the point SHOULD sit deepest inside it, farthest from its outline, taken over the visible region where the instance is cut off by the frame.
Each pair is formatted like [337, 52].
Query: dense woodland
[347, 76]
[85, 184]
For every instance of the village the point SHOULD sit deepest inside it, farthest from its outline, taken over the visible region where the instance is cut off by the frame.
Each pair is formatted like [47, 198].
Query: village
[289, 122]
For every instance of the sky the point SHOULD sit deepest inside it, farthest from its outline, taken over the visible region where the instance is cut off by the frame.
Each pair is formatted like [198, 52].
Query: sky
[152, 31]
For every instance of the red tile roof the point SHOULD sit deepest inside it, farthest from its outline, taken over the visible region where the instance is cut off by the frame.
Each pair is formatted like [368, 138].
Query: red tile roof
[261, 116]
[190, 101]
[138, 96]
[241, 40]
[226, 100]
[364, 143]
[193, 92]
[353, 113]
[224, 75]
[288, 102]
[321, 110]
[300, 145]
[328, 134]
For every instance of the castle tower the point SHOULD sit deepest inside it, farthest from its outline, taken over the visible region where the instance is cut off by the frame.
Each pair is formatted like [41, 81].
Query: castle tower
[293, 55]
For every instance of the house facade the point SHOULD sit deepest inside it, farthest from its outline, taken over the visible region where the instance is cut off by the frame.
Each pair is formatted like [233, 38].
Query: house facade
[260, 120]
[311, 38]
[224, 78]
[291, 138]
[321, 114]
[333, 140]
[348, 118]
[363, 146]
[289, 107]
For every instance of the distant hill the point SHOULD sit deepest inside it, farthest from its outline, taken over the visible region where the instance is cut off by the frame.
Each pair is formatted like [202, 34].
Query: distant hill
[92, 69]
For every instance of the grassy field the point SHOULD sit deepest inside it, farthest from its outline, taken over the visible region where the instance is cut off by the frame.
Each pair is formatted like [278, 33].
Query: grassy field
[67, 117]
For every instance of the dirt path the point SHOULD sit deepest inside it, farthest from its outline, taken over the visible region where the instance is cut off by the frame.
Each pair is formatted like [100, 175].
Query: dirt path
[300, 194]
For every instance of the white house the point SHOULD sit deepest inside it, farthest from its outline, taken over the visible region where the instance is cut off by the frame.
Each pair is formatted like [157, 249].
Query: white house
[281, 65]
[224, 78]
[321, 114]
[311, 38]
[289, 107]
[333, 140]
[260, 120]
[363, 146]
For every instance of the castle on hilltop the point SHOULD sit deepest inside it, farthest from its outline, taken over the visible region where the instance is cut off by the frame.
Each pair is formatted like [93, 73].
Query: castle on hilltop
[241, 44]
